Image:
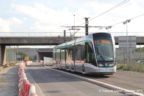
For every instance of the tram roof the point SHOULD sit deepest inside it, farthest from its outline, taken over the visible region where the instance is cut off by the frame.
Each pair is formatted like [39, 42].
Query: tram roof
[87, 38]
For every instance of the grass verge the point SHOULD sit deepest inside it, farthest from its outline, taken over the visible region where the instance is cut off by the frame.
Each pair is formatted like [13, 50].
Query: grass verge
[133, 67]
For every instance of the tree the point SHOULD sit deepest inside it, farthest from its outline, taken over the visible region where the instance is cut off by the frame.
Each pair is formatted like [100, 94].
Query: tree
[21, 54]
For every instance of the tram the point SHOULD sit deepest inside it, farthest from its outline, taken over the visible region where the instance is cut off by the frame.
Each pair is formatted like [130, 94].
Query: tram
[92, 54]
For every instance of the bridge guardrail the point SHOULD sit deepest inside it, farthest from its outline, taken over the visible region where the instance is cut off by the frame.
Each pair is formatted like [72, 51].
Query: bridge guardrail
[61, 34]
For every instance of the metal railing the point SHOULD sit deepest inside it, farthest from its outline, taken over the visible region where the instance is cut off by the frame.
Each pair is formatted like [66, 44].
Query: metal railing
[61, 34]
[31, 34]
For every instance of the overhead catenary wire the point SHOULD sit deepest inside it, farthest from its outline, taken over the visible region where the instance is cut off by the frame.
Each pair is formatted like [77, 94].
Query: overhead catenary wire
[129, 19]
[110, 26]
[116, 6]
[112, 8]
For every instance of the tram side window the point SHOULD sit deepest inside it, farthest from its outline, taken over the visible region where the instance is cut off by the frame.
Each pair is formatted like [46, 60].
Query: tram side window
[69, 54]
[58, 55]
[54, 57]
[82, 51]
[90, 57]
[66, 54]
[79, 52]
[62, 55]
[73, 53]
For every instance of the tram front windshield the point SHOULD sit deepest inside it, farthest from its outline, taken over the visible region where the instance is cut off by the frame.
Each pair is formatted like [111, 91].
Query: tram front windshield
[103, 47]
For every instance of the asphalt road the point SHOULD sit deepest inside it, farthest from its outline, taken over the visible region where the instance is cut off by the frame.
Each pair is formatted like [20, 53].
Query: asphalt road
[125, 79]
[53, 83]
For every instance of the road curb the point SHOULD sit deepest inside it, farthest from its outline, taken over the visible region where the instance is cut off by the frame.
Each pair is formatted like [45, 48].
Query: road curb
[105, 85]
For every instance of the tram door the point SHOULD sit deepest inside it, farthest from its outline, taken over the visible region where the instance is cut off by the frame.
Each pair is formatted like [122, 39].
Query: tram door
[89, 54]
[72, 58]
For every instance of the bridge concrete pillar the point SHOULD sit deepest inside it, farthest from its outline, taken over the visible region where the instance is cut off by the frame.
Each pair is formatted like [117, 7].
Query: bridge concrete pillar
[2, 55]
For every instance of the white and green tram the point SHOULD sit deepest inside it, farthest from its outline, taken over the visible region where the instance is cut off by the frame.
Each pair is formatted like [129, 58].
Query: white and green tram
[94, 53]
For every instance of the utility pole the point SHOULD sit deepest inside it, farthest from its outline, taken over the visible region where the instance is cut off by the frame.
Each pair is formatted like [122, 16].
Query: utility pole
[59, 39]
[86, 25]
[74, 22]
[64, 36]
[65, 49]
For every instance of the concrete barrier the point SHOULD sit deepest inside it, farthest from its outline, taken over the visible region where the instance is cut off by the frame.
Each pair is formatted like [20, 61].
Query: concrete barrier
[32, 91]
[25, 87]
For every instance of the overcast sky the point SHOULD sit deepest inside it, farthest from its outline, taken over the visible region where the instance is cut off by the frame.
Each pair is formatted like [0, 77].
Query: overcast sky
[50, 15]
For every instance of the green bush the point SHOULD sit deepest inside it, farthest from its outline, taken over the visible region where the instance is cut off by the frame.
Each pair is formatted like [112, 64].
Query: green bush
[140, 68]
[136, 67]
[120, 67]
[139, 49]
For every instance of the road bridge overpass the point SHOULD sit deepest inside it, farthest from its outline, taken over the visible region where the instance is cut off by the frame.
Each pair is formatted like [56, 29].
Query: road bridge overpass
[47, 40]
[4, 41]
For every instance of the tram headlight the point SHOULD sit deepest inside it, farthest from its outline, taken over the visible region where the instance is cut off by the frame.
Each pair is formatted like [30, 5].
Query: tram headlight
[100, 65]
[111, 64]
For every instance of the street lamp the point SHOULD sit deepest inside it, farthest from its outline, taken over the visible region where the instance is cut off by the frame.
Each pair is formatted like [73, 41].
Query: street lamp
[127, 46]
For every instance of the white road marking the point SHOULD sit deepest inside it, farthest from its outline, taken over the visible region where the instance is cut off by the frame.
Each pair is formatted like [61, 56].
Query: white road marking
[106, 85]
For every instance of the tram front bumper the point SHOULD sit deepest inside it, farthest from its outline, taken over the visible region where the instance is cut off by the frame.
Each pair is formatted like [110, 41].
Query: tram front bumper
[111, 69]
[103, 70]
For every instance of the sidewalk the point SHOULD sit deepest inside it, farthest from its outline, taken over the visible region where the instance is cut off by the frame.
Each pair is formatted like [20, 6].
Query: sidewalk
[9, 81]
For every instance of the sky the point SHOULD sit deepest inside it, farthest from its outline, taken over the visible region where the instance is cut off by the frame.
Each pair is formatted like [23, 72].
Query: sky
[29, 16]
